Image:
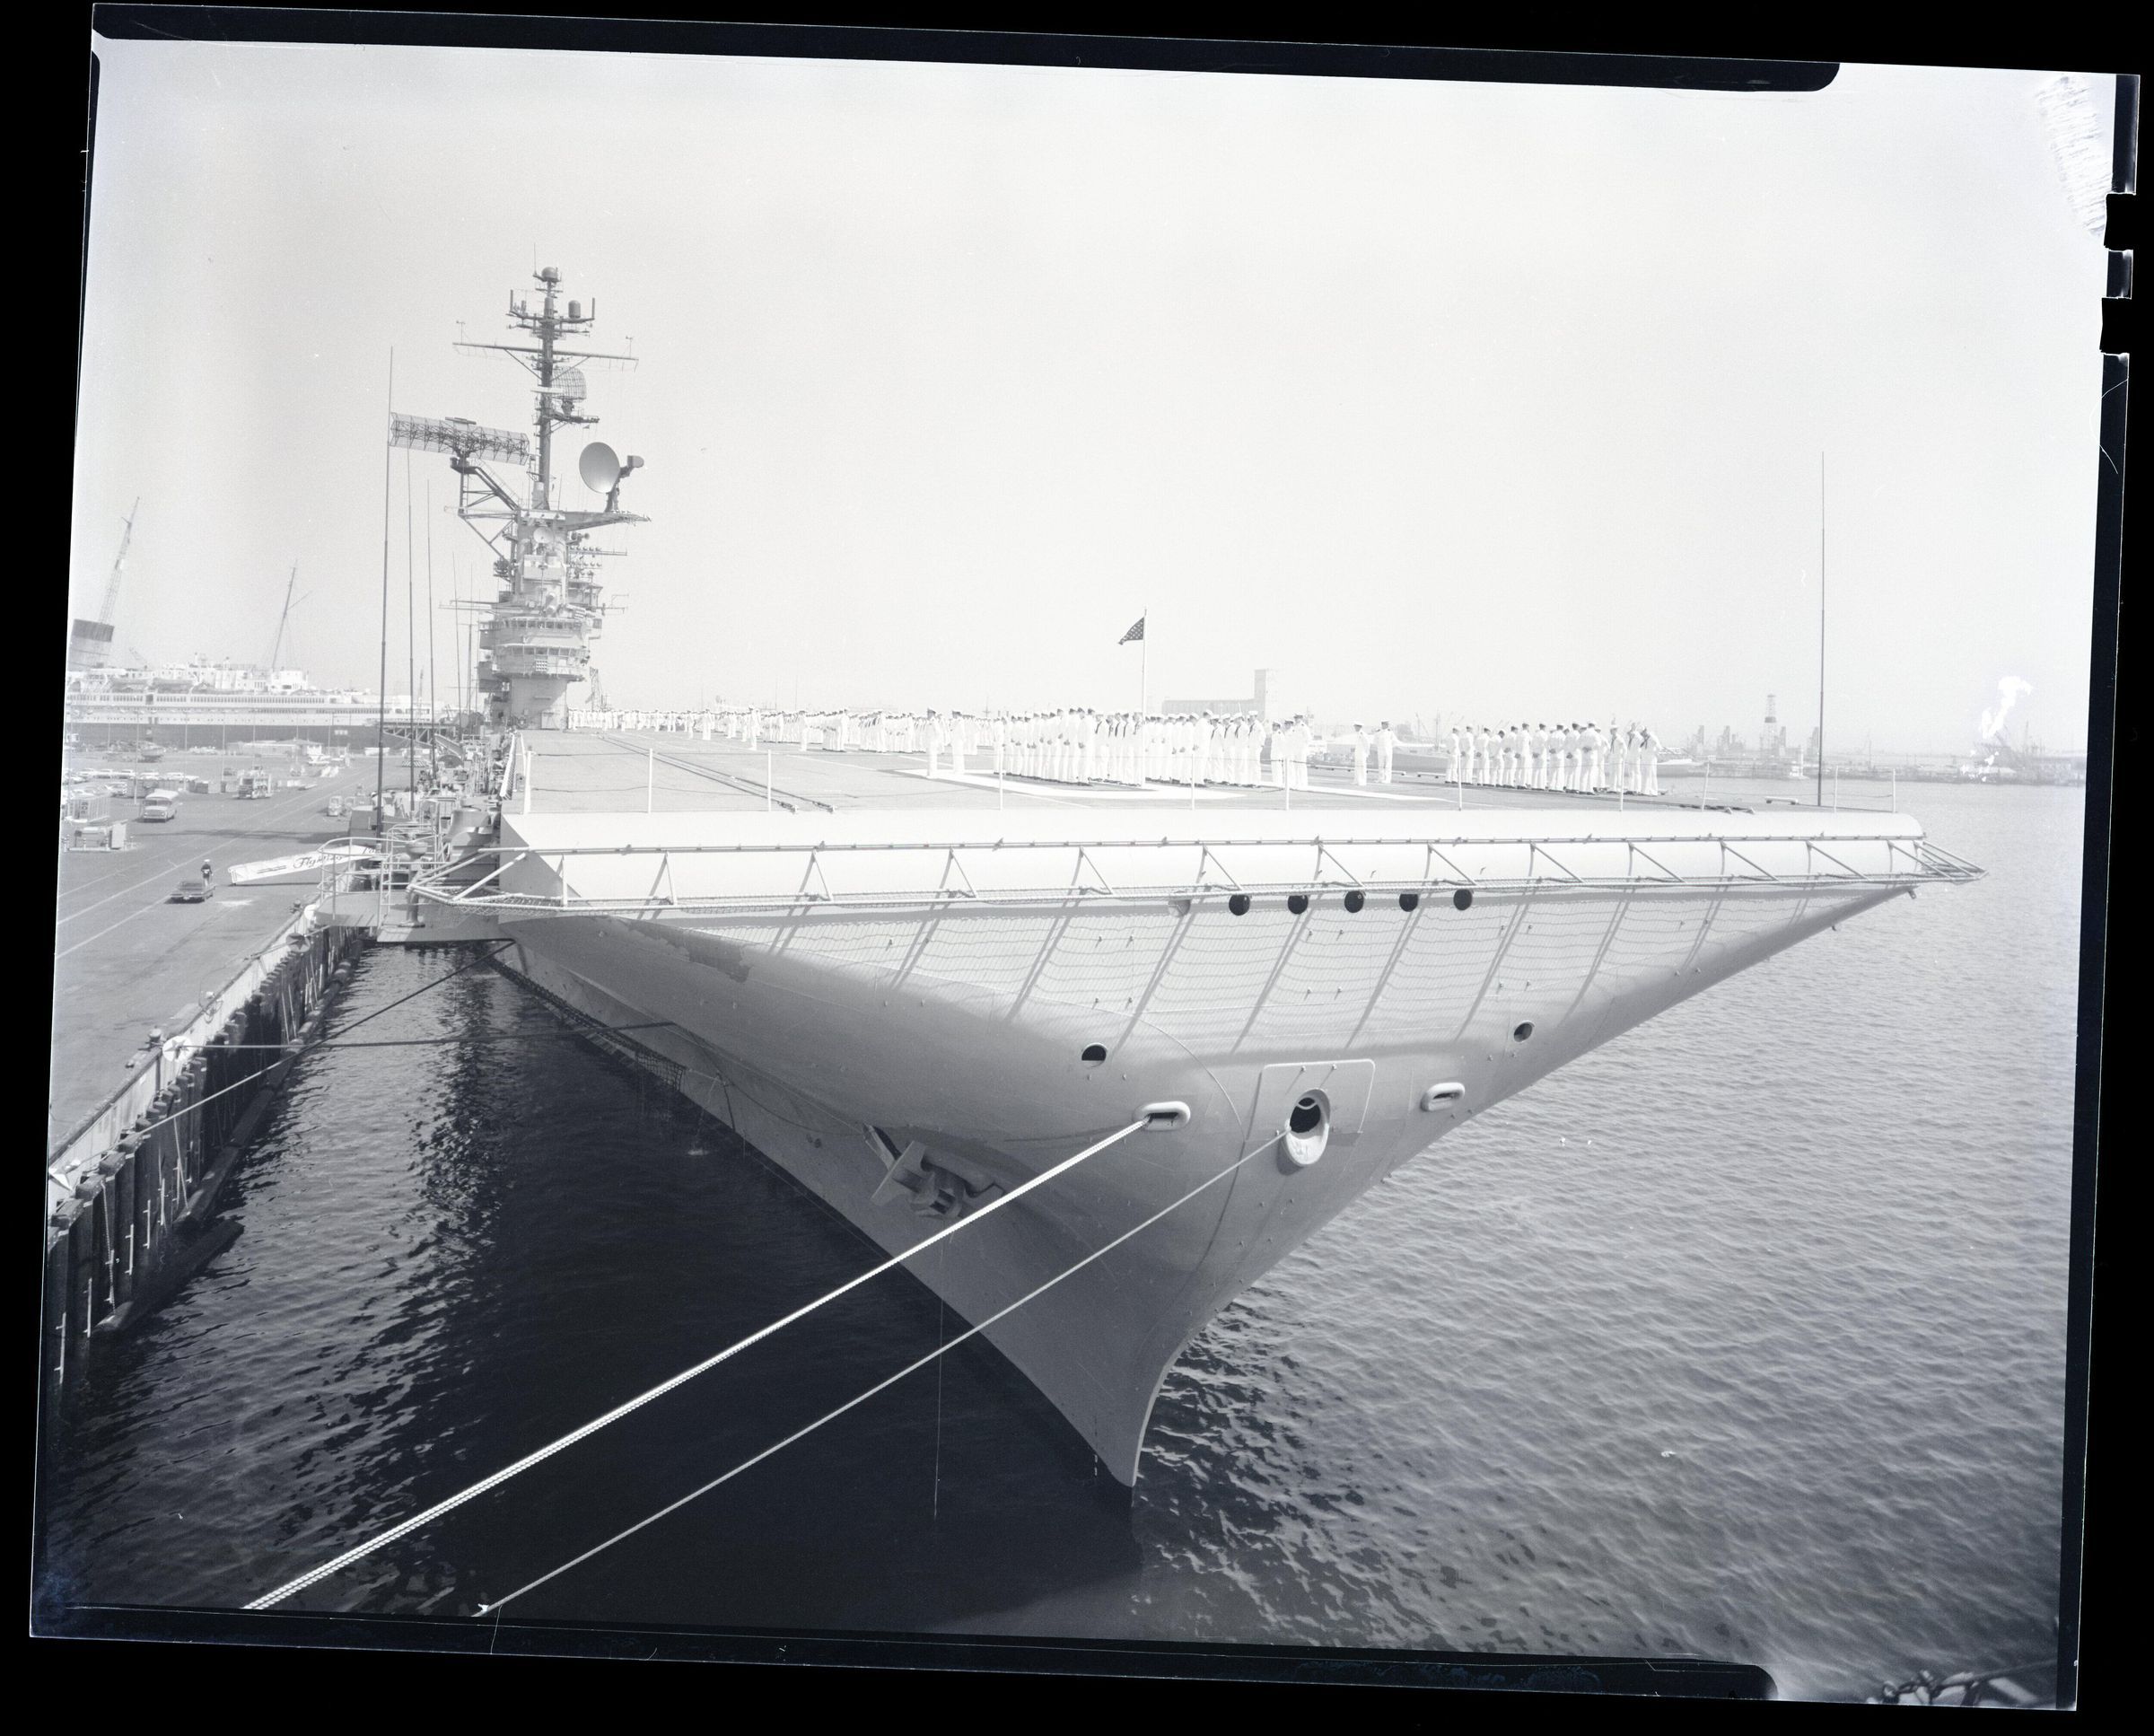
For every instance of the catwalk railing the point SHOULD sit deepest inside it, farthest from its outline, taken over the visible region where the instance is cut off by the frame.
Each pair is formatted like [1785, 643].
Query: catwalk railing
[540, 881]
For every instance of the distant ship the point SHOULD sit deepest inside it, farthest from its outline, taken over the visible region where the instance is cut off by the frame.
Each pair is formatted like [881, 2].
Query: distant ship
[914, 1001]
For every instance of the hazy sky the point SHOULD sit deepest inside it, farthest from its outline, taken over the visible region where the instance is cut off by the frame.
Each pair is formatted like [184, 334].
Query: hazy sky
[1501, 401]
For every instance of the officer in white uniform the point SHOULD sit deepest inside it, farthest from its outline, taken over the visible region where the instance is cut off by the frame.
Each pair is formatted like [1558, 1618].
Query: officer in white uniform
[1651, 743]
[1358, 743]
[1458, 770]
[1386, 746]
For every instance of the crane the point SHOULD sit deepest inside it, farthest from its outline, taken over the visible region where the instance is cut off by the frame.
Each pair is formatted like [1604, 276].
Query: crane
[109, 612]
[277, 643]
[90, 642]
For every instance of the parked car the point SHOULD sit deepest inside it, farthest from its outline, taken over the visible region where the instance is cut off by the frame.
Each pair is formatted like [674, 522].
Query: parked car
[190, 890]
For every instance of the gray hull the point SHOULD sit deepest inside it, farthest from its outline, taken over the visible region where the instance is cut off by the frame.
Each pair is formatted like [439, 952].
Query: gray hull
[835, 1041]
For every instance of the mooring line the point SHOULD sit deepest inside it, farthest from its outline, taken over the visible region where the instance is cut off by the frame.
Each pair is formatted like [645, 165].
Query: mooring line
[495, 1608]
[493, 950]
[614, 1416]
[444, 1042]
[292, 1051]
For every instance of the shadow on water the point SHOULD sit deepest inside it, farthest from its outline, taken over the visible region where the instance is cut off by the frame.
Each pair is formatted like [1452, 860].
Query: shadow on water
[458, 1251]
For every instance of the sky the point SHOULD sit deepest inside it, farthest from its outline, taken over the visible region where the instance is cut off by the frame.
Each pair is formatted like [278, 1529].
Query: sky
[1504, 403]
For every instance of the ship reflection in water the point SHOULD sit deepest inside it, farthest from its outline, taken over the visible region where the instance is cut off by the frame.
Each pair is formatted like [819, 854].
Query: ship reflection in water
[1740, 1338]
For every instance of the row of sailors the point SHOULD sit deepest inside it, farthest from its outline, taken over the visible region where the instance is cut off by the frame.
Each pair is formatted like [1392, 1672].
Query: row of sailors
[1074, 744]
[1580, 758]
[670, 723]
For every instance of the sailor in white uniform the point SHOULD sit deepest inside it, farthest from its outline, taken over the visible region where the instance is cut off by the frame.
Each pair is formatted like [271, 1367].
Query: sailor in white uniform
[1458, 770]
[1651, 743]
[1358, 744]
[1387, 746]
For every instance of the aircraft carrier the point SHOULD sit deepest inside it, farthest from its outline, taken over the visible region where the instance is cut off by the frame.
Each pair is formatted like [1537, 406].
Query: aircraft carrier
[918, 989]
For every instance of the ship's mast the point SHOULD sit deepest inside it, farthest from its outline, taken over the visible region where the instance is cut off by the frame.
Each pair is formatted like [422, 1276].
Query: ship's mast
[548, 607]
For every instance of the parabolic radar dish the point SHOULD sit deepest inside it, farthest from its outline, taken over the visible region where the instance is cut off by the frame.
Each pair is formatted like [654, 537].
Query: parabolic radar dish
[599, 466]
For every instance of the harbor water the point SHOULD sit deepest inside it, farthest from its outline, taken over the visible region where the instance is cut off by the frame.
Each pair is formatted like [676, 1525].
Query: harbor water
[1743, 1336]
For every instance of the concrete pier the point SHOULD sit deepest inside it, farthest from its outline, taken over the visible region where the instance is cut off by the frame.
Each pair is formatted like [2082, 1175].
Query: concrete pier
[125, 961]
[130, 1204]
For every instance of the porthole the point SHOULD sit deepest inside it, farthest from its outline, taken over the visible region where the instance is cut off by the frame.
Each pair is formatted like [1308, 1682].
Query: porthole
[1409, 900]
[1297, 902]
[1239, 904]
[1463, 897]
[1354, 900]
[1520, 1032]
[1094, 1054]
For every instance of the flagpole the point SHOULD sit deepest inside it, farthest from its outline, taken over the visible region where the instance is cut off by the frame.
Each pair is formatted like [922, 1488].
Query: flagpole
[1821, 630]
[1143, 654]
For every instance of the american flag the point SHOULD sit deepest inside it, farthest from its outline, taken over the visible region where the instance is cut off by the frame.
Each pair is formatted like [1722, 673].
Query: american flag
[1137, 632]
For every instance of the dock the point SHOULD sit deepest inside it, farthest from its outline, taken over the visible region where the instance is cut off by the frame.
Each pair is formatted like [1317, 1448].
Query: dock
[127, 961]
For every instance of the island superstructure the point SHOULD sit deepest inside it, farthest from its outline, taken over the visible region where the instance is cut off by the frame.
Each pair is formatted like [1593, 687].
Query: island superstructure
[915, 990]
[535, 643]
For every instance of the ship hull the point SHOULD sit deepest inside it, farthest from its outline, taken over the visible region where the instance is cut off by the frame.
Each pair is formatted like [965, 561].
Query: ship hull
[970, 1041]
